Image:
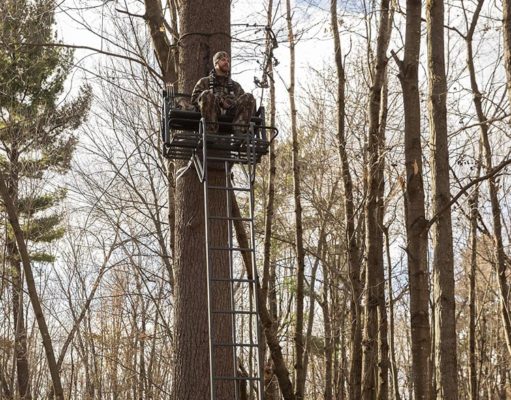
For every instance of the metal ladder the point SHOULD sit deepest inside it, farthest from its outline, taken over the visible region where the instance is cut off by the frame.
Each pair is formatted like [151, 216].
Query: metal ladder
[246, 372]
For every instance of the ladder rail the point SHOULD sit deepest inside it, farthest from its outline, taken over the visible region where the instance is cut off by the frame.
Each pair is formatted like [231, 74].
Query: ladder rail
[204, 180]
[227, 171]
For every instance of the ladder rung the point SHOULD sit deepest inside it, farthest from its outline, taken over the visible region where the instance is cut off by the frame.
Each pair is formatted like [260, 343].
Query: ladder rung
[235, 345]
[231, 159]
[241, 312]
[229, 188]
[232, 248]
[230, 218]
[242, 280]
[236, 378]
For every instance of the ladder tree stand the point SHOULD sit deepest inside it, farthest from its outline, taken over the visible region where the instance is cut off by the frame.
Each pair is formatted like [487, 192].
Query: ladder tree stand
[231, 289]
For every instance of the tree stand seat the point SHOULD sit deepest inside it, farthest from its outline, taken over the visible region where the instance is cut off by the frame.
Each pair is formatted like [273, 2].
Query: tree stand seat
[184, 132]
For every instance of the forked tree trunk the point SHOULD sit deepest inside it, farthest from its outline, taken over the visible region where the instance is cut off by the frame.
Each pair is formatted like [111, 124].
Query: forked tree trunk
[443, 263]
[417, 235]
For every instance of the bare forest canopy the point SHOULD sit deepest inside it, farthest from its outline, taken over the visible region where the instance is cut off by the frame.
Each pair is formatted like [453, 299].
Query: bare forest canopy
[383, 211]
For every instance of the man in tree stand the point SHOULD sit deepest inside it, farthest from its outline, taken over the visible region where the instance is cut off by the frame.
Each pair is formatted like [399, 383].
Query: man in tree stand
[217, 94]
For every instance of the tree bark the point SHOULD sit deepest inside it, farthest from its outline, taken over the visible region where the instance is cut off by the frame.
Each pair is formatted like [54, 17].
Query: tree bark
[417, 235]
[353, 252]
[374, 238]
[271, 384]
[204, 28]
[321, 252]
[383, 344]
[300, 253]
[473, 202]
[506, 8]
[13, 258]
[329, 348]
[20, 330]
[22, 251]
[443, 263]
[268, 222]
[392, 349]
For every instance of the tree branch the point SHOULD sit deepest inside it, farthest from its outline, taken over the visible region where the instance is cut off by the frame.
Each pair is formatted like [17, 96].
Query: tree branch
[107, 53]
[491, 173]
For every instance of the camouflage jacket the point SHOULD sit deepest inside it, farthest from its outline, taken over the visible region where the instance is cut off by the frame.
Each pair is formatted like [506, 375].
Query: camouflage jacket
[222, 86]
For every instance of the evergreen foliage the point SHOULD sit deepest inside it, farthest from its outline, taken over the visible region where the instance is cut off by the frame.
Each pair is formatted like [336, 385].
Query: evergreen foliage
[36, 124]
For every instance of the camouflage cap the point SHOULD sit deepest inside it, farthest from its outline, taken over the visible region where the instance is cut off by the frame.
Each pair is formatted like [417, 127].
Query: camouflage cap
[218, 56]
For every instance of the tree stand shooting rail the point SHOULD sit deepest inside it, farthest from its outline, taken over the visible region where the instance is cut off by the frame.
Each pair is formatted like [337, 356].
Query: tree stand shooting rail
[186, 137]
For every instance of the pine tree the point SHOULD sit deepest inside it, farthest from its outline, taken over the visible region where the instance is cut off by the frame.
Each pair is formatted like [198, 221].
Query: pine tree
[35, 139]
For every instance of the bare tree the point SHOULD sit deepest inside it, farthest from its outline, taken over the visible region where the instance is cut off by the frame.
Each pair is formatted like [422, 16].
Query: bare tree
[443, 268]
[268, 278]
[300, 254]
[417, 235]
[374, 238]
[353, 252]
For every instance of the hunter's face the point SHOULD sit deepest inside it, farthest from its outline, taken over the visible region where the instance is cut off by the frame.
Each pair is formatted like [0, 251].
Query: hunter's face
[224, 65]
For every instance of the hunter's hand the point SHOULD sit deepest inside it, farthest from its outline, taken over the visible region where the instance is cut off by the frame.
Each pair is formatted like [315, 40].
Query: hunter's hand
[227, 103]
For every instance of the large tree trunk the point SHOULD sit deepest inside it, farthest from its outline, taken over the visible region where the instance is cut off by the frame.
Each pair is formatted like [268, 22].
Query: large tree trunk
[417, 235]
[443, 268]
[374, 237]
[349, 219]
[191, 348]
[205, 29]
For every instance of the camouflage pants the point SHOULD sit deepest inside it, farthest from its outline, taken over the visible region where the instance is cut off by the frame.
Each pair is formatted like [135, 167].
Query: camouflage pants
[242, 111]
